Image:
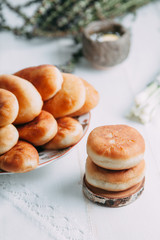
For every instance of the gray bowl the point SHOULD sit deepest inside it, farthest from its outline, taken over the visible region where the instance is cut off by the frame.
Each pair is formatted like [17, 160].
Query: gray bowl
[108, 53]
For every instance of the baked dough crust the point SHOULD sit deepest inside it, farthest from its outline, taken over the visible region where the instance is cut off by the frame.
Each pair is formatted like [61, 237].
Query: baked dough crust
[69, 99]
[92, 99]
[69, 133]
[46, 78]
[9, 107]
[40, 130]
[23, 157]
[29, 99]
[8, 138]
[111, 180]
[115, 146]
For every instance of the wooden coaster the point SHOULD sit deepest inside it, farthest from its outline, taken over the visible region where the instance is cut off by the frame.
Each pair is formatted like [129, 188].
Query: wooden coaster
[112, 199]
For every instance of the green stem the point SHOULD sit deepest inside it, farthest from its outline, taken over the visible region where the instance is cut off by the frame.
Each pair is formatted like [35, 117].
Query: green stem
[54, 18]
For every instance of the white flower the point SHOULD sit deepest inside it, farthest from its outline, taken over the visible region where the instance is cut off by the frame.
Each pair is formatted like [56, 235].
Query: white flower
[147, 102]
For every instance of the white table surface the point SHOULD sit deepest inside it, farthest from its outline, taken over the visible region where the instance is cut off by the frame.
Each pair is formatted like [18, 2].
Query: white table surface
[60, 183]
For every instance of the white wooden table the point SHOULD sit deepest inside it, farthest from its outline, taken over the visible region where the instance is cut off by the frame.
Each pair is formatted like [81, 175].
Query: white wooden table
[59, 184]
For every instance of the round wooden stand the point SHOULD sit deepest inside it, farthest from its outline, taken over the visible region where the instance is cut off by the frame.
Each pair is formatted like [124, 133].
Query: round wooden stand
[112, 199]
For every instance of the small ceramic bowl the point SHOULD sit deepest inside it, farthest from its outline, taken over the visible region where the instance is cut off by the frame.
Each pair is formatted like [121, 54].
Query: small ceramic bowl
[106, 53]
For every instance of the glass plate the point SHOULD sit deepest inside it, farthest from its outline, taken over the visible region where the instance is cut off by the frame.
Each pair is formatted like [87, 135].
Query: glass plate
[48, 156]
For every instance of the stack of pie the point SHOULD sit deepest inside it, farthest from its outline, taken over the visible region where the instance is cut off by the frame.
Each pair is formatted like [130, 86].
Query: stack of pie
[115, 166]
